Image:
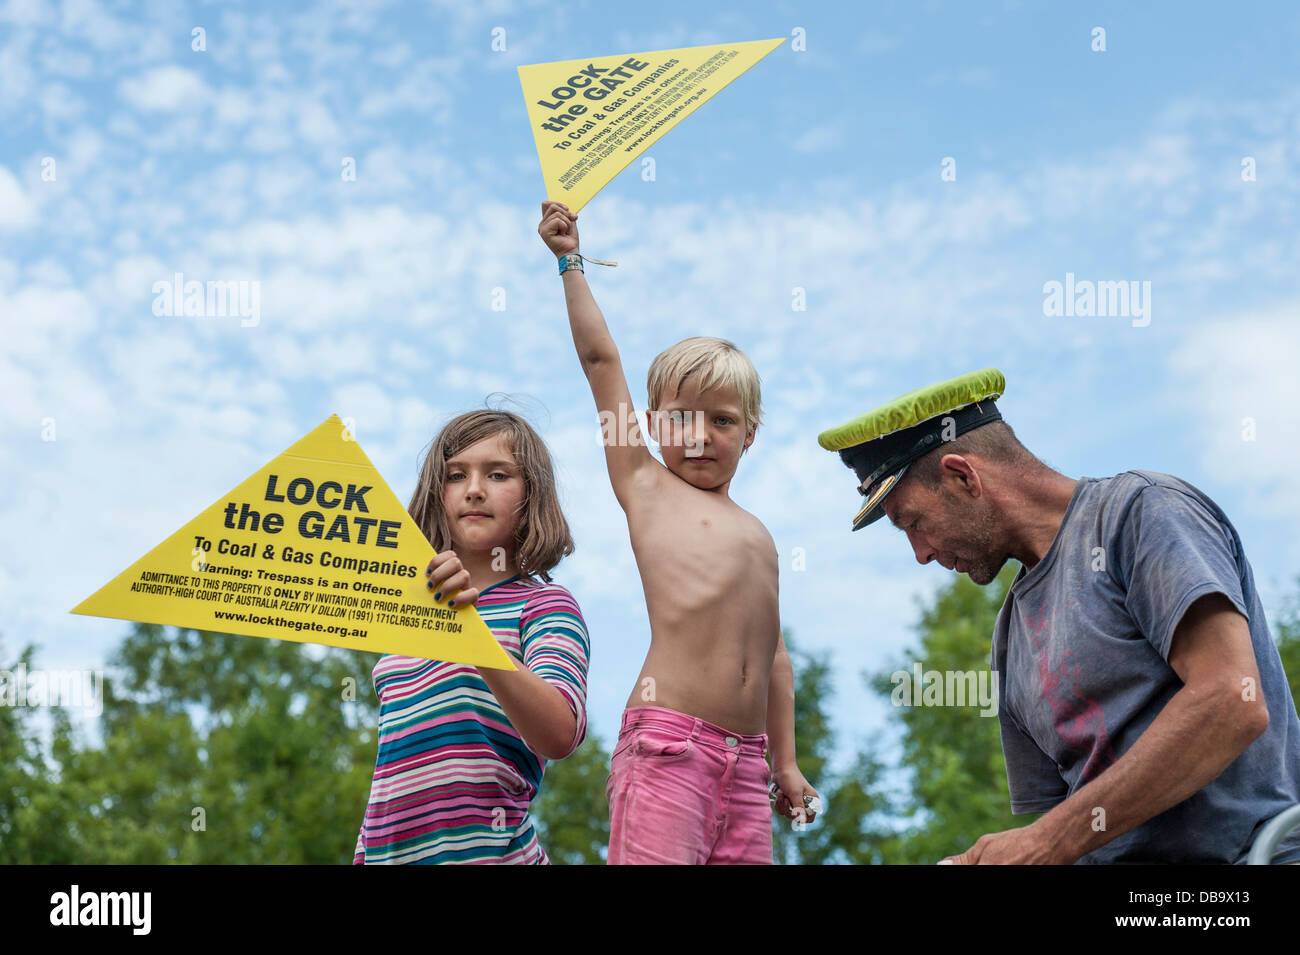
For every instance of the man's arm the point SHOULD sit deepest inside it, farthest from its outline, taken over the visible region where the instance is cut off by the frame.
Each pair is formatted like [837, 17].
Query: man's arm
[1202, 729]
[626, 457]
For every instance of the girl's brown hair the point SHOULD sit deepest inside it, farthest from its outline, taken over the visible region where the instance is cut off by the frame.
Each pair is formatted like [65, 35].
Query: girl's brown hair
[542, 536]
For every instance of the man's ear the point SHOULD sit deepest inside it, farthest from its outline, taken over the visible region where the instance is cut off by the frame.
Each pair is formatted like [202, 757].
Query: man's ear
[960, 470]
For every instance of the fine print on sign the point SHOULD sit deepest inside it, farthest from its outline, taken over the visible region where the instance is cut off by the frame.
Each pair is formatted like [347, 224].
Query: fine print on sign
[315, 548]
[592, 117]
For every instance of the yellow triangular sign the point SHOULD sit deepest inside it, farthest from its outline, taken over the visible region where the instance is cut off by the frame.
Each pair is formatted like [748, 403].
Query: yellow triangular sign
[592, 117]
[315, 548]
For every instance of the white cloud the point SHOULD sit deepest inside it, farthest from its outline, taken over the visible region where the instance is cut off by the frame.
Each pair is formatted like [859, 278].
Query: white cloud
[87, 21]
[43, 323]
[316, 124]
[233, 106]
[423, 89]
[819, 138]
[165, 89]
[16, 76]
[66, 59]
[17, 209]
[1241, 368]
[60, 104]
[367, 403]
[134, 277]
[24, 12]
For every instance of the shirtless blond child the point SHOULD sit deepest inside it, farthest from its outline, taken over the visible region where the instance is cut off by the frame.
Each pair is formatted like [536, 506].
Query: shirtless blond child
[689, 778]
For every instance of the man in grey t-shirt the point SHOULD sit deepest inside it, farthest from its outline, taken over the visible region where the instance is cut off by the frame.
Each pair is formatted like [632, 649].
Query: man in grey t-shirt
[1142, 702]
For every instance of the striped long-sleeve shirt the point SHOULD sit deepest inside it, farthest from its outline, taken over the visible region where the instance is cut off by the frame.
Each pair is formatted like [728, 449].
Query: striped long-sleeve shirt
[453, 780]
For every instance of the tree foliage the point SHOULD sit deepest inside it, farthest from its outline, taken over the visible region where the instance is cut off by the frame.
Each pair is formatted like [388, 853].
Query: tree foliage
[215, 749]
[223, 749]
[571, 811]
[951, 755]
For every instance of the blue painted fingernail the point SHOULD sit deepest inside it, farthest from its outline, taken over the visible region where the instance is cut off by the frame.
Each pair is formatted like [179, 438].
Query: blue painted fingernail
[438, 595]
[451, 603]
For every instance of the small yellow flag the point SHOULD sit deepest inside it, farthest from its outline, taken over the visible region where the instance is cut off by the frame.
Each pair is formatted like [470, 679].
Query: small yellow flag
[592, 117]
[315, 548]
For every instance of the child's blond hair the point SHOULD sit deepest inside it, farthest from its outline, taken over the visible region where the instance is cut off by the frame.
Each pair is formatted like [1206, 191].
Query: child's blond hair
[542, 537]
[715, 362]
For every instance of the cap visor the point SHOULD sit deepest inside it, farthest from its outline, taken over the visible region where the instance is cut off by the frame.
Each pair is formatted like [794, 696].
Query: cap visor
[873, 510]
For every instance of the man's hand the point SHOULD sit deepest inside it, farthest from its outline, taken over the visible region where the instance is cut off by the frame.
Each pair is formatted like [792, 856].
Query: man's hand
[788, 780]
[447, 576]
[1023, 846]
[558, 228]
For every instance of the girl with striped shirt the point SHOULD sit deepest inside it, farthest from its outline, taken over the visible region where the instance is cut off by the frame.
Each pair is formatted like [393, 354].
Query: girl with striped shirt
[461, 749]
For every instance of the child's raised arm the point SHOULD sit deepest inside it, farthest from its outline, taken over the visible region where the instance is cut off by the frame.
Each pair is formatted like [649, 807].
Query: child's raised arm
[626, 456]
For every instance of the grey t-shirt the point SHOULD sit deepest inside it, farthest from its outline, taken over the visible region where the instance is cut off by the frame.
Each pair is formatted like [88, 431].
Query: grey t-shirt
[1081, 645]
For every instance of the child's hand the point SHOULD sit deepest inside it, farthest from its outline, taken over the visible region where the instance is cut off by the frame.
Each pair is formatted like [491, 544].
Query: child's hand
[558, 228]
[448, 577]
[788, 779]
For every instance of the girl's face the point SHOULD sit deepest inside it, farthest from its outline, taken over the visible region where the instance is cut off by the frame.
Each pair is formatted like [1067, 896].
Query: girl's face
[483, 492]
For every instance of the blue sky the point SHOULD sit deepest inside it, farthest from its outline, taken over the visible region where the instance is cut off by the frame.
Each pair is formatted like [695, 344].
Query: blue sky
[818, 169]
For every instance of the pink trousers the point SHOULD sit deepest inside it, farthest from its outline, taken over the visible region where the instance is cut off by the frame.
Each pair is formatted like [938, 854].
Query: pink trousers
[683, 791]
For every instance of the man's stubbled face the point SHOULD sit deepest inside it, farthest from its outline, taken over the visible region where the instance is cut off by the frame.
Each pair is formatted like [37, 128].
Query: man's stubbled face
[960, 533]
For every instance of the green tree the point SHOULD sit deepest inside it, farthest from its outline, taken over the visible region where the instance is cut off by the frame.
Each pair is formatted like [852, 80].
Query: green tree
[571, 811]
[34, 811]
[258, 735]
[854, 828]
[216, 749]
[814, 741]
[952, 755]
[1287, 635]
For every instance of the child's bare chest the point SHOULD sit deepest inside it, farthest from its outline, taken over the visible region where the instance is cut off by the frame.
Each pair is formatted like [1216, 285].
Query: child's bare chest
[704, 553]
